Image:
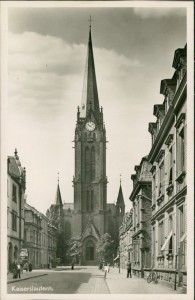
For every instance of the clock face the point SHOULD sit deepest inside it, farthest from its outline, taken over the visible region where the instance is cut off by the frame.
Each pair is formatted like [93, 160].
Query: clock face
[90, 126]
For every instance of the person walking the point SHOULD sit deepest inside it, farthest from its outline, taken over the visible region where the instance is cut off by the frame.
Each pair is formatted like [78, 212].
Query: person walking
[18, 269]
[128, 269]
[72, 265]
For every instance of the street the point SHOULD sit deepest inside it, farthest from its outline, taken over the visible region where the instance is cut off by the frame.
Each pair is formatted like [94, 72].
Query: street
[83, 280]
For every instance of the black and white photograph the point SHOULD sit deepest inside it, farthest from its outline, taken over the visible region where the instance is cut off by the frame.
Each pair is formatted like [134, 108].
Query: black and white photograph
[97, 150]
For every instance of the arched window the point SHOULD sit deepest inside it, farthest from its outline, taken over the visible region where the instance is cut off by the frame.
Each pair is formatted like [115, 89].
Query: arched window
[93, 163]
[92, 201]
[87, 202]
[87, 164]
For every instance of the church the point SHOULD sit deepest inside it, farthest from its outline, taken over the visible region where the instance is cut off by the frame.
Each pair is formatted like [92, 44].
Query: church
[90, 216]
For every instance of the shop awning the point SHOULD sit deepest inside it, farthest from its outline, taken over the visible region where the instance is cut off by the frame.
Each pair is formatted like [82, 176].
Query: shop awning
[116, 257]
[167, 240]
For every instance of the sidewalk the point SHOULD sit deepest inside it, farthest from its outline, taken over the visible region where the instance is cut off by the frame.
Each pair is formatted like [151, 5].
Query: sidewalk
[26, 275]
[118, 283]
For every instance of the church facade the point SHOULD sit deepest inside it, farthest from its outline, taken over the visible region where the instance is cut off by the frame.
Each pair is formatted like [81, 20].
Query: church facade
[90, 216]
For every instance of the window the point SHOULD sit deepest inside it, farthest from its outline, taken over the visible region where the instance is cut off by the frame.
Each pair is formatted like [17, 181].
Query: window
[181, 221]
[170, 226]
[14, 220]
[88, 202]
[93, 163]
[154, 242]
[87, 165]
[161, 178]
[160, 235]
[182, 149]
[14, 193]
[92, 201]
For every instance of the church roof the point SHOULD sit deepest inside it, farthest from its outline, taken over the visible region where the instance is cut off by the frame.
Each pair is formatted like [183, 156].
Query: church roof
[58, 196]
[90, 93]
[120, 199]
[68, 206]
[15, 170]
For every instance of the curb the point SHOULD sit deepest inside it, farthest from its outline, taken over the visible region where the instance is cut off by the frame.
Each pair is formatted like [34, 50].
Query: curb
[21, 279]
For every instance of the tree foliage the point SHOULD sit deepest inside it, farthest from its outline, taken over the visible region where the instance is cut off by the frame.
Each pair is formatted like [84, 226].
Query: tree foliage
[105, 247]
[73, 248]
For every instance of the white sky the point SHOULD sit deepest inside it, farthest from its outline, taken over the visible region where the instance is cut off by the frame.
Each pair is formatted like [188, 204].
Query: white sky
[133, 50]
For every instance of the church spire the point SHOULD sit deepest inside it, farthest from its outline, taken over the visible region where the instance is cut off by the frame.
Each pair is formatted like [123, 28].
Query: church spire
[58, 194]
[120, 200]
[90, 93]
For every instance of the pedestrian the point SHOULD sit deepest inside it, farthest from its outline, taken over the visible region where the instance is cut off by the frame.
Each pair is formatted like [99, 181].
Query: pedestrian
[128, 269]
[72, 265]
[22, 267]
[18, 269]
[30, 267]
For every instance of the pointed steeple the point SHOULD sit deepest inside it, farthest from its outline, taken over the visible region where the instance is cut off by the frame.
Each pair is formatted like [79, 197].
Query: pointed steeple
[120, 200]
[58, 194]
[90, 93]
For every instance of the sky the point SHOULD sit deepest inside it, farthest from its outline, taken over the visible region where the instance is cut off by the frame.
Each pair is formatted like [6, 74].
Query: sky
[47, 48]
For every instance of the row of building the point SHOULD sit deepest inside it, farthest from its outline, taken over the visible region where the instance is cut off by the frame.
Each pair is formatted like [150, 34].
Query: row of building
[154, 233]
[31, 236]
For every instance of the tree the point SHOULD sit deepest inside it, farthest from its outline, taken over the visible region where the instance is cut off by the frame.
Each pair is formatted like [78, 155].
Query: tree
[105, 247]
[73, 248]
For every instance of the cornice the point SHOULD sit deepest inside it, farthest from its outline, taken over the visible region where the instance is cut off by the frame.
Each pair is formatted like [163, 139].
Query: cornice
[137, 188]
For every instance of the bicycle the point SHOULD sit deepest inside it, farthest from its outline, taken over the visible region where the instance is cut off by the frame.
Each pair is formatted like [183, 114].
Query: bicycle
[152, 277]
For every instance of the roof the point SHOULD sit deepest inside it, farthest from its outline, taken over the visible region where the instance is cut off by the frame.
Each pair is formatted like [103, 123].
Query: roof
[120, 199]
[90, 98]
[15, 170]
[58, 196]
[67, 206]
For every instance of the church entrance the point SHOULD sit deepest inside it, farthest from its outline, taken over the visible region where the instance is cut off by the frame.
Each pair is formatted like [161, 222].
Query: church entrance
[89, 253]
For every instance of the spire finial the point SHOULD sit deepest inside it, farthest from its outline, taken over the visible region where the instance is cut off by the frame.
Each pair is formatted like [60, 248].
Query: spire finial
[120, 178]
[90, 20]
[58, 177]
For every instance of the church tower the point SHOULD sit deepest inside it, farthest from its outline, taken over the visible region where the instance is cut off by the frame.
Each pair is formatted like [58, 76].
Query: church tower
[90, 181]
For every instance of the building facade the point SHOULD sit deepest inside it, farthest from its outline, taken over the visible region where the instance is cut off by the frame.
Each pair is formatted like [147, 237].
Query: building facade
[141, 198]
[16, 178]
[40, 238]
[32, 235]
[125, 239]
[168, 159]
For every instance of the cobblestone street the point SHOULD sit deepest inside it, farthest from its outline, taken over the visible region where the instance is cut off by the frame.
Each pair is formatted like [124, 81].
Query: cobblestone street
[83, 280]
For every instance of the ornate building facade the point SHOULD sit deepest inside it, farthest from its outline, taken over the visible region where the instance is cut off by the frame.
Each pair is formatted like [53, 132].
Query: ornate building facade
[168, 159]
[16, 185]
[141, 200]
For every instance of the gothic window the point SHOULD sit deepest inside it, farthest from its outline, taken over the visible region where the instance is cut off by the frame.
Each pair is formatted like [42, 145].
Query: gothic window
[88, 202]
[87, 164]
[93, 163]
[92, 200]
